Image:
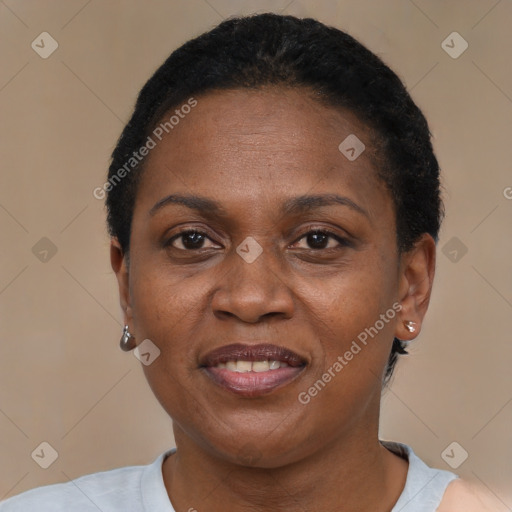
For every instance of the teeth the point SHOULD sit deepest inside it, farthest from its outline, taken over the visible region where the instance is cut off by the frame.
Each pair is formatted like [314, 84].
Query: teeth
[252, 366]
[260, 366]
[243, 366]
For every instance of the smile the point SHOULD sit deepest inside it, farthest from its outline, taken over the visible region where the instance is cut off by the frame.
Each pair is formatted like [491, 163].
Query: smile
[241, 366]
[252, 371]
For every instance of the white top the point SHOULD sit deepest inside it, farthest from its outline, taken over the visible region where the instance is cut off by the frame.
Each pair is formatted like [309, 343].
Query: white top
[142, 489]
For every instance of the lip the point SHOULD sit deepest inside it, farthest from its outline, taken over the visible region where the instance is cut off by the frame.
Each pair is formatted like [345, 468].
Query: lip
[252, 384]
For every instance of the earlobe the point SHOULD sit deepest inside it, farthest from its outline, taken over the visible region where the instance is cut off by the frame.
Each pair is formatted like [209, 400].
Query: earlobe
[417, 271]
[118, 261]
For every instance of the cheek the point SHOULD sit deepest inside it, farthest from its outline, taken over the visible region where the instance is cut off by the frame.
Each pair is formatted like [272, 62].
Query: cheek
[355, 322]
[346, 302]
[165, 300]
[352, 315]
[169, 310]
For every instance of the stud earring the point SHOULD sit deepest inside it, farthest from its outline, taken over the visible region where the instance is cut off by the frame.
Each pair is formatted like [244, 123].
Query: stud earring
[127, 341]
[410, 326]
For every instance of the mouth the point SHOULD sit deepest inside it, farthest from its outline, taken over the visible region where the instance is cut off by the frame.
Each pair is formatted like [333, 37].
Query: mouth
[252, 370]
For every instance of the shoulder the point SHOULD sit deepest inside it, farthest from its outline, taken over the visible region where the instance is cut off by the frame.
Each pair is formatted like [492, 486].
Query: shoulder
[116, 489]
[464, 496]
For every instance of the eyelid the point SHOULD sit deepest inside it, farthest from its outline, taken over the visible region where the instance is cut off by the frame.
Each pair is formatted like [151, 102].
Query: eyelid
[324, 229]
[186, 227]
[343, 240]
[185, 230]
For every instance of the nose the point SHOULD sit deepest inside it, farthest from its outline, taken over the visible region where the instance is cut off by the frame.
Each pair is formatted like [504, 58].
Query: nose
[252, 291]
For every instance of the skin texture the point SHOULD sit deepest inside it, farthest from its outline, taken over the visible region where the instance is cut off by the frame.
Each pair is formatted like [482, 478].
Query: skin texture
[252, 150]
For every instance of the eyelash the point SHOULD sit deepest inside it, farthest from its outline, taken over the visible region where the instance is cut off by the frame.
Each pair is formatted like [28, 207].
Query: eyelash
[343, 242]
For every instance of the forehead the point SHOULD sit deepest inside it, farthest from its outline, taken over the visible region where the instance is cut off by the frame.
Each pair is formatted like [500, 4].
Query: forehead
[241, 145]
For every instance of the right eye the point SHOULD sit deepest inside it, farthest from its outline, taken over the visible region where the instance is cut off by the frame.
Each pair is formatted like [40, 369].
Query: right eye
[189, 240]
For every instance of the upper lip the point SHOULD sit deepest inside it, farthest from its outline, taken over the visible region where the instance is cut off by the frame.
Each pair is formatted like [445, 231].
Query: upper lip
[245, 352]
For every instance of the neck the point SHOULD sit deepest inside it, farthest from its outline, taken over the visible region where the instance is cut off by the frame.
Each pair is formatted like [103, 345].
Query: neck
[352, 474]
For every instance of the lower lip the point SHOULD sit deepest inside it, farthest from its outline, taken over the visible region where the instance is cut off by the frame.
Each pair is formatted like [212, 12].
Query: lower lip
[253, 384]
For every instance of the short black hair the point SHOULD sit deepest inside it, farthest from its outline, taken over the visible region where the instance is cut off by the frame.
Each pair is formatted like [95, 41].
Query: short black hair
[270, 49]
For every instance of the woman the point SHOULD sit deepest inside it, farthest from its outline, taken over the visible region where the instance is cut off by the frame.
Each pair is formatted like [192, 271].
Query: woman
[274, 206]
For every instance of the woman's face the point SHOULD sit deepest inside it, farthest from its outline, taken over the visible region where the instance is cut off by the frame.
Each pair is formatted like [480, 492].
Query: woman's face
[253, 286]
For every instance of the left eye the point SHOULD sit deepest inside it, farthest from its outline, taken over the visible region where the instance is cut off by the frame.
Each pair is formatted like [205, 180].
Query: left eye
[319, 239]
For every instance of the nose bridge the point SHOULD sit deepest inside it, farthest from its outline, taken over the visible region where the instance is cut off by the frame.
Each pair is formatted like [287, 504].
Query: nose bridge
[254, 263]
[251, 285]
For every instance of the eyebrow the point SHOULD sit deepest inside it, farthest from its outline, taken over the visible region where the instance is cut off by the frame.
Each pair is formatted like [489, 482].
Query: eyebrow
[293, 206]
[303, 204]
[201, 204]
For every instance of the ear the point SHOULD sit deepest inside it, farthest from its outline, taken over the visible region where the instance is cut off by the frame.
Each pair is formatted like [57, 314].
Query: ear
[417, 269]
[119, 262]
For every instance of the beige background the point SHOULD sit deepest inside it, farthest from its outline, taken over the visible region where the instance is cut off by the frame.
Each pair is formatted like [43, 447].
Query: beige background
[64, 380]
